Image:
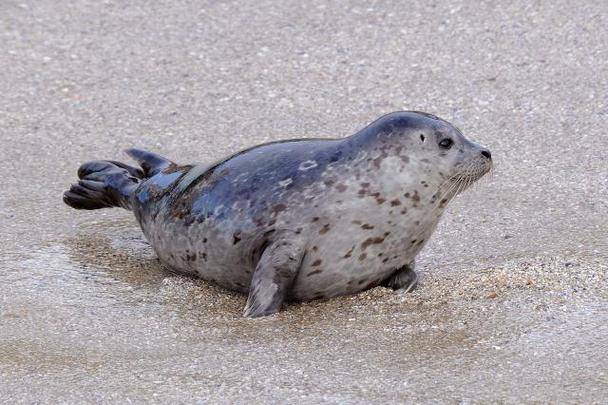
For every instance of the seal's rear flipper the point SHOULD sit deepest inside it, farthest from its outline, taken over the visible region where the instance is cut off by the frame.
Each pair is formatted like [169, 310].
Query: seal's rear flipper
[103, 184]
[150, 162]
[107, 183]
[273, 276]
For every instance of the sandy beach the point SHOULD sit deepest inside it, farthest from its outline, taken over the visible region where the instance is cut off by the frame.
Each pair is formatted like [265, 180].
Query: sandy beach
[512, 304]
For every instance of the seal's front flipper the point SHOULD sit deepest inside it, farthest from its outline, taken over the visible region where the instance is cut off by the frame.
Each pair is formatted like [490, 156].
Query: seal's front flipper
[403, 278]
[273, 276]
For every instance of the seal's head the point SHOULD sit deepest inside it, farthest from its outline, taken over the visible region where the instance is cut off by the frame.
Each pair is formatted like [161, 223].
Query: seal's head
[441, 153]
[460, 161]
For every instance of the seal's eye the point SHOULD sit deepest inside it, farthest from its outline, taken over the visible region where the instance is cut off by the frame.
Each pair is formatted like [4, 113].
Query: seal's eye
[446, 143]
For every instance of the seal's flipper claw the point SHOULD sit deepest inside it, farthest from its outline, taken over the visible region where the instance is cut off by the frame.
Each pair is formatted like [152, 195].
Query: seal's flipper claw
[273, 276]
[404, 278]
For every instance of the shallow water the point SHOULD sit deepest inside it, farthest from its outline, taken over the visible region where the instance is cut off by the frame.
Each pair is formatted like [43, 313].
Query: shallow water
[513, 300]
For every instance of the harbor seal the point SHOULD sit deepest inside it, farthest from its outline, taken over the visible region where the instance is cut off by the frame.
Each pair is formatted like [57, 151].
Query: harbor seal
[299, 219]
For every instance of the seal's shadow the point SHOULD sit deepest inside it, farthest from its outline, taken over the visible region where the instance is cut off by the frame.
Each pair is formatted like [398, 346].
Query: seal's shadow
[127, 259]
[125, 256]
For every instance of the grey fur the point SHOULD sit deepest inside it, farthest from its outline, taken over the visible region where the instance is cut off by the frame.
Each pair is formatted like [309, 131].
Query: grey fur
[310, 218]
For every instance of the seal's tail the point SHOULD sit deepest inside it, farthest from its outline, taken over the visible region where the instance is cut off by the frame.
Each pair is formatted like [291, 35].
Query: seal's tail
[107, 183]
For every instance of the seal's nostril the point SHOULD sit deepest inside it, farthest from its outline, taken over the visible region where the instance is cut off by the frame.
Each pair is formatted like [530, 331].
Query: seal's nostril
[486, 153]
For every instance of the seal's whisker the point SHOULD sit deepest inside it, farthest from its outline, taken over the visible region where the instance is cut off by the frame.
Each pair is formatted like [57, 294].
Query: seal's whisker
[460, 187]
[453, 183]
[466, 177]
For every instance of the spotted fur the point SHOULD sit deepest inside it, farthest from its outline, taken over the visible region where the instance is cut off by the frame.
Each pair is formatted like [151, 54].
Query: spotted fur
[309, 218]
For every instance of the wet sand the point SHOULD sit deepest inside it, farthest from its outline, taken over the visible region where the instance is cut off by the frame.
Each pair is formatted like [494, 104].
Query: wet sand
[512, 304]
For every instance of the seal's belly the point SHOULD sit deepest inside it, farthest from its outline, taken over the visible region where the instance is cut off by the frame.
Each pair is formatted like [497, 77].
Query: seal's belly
[348, 277]
[342, 256]
[332, 266]
[197, 250]
[344, 262]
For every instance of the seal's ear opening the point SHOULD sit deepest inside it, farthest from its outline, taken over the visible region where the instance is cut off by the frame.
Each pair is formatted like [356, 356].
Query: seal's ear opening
[422, 137]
